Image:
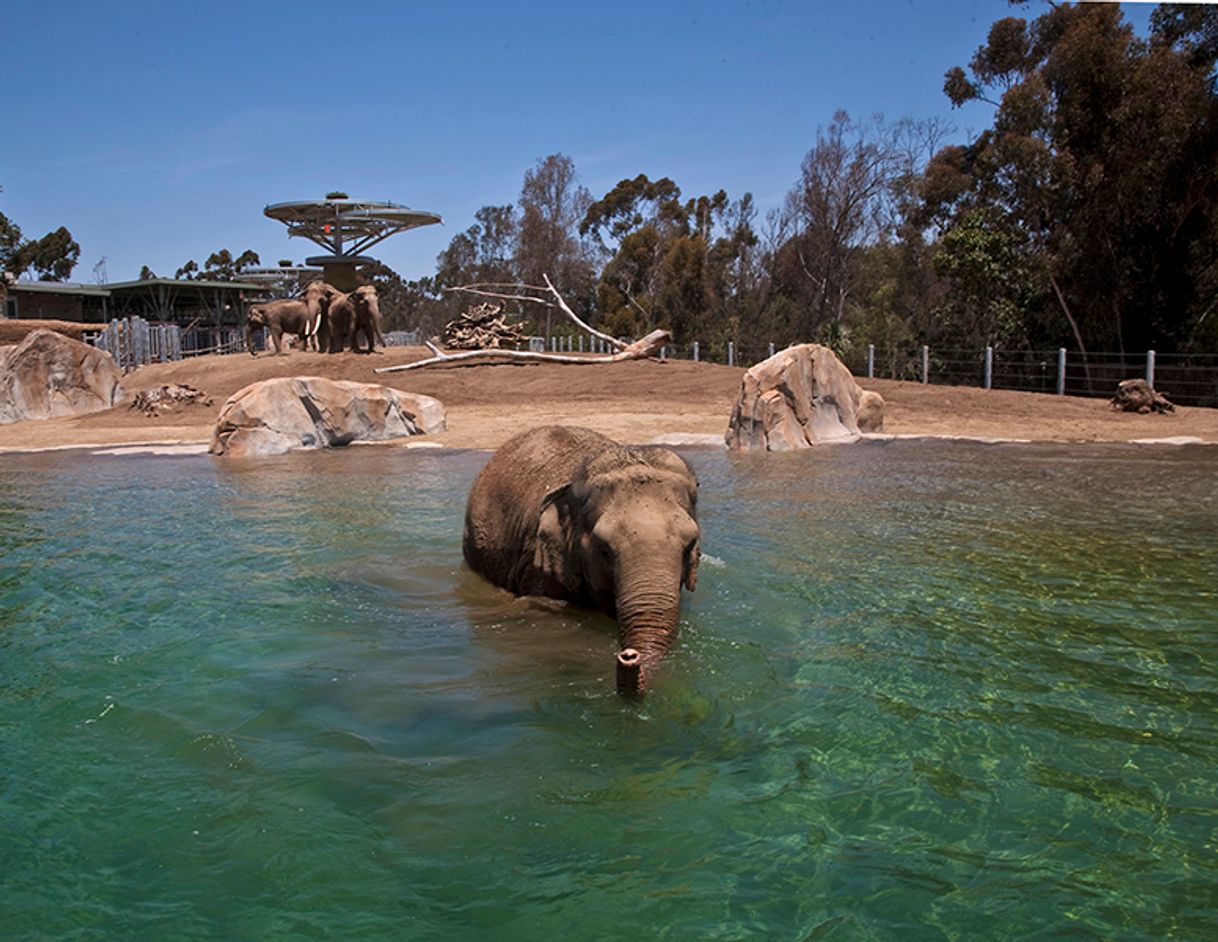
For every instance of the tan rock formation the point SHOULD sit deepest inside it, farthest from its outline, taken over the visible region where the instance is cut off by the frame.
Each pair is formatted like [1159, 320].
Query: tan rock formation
[294, 412]
[49, 375]
[801, 396]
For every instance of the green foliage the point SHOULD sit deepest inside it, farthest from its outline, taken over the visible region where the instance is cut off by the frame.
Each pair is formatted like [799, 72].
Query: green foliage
[1100, 164]
[52, 257]
[10, 242]
[337, 195]
[220, 266]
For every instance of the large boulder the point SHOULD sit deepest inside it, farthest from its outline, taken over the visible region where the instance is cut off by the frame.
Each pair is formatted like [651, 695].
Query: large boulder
[801, 396]
[48, 375]
[293, 412]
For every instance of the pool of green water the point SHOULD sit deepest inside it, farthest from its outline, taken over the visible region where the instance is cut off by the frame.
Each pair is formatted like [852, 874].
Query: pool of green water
[925, 690]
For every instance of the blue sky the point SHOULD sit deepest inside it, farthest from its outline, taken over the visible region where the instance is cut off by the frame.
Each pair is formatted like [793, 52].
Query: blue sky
[157, 132]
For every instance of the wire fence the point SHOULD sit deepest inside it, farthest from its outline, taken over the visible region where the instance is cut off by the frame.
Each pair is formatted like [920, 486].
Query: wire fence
[1185, 378]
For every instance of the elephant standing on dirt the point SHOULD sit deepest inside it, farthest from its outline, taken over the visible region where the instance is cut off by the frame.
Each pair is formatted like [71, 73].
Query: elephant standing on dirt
[353, 314]
[318, 296]
[571, 514]
[287, 316]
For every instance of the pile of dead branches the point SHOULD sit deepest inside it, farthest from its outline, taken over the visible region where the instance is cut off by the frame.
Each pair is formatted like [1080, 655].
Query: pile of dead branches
[1136, 395]
[483, 327]
[162, 399]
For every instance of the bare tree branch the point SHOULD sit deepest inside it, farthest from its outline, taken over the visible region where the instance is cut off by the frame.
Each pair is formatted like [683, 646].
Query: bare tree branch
[649, 346]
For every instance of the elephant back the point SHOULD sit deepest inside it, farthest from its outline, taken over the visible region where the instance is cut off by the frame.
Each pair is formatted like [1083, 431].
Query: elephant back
[505, 500]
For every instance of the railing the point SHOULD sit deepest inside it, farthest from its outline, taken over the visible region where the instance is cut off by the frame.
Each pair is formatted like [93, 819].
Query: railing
[134, 341]
[402, 338]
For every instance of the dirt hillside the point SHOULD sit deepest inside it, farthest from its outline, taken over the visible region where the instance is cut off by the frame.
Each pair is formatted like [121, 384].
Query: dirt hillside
[633, 401]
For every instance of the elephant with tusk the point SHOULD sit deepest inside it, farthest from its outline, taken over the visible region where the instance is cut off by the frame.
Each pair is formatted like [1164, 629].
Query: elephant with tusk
[286, 316]
[318, 296]
[570, 514]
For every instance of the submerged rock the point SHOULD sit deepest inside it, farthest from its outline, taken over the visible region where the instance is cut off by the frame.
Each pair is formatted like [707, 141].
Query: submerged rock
[49, 375]
[801, 396]
[303, 412]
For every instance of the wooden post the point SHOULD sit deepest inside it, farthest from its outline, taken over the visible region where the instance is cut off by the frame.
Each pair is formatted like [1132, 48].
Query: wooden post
[731, 353]
[925, 364]
[1061, 371]
[695, 351]
[989, 367]
[1150, 368]
[871, 361]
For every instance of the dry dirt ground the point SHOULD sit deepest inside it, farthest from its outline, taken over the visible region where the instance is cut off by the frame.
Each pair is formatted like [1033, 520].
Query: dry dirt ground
[632, 401]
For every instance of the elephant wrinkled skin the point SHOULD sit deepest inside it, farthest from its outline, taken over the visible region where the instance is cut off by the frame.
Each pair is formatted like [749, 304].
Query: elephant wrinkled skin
[287, 316]
[571, 514]
[350, 315]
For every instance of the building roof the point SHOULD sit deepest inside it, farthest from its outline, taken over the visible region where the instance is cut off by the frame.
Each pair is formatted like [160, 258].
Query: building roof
[104, 291]
[185, 283]
[60, 287]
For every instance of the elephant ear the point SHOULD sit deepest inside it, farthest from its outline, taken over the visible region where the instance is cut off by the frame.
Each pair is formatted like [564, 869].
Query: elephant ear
[689, 569]
[553, 553]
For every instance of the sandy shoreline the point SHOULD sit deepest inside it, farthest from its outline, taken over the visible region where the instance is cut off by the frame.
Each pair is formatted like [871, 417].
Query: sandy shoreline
[636, 402]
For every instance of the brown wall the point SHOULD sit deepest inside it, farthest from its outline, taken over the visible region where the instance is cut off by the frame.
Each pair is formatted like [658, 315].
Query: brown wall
[36, 304]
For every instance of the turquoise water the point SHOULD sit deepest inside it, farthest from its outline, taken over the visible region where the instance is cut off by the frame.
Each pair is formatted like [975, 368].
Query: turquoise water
[923, 691]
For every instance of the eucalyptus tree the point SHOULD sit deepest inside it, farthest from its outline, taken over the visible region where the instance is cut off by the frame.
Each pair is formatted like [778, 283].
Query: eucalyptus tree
[552, 206]
[1098, 178]
[52, 257]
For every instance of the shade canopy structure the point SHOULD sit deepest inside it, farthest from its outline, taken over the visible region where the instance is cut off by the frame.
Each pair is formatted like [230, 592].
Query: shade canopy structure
[346, 228]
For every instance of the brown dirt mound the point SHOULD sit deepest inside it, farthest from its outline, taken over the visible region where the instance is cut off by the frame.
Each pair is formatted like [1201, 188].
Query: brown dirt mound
[14, 331]
[631, 401]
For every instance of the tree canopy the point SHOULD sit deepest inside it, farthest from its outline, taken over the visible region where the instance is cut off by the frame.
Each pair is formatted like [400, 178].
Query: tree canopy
[52, 257]
[1096, 183]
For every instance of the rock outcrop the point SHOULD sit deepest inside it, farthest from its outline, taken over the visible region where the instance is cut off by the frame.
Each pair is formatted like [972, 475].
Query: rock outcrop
[49, 375]
[295, 412]
[801, 396]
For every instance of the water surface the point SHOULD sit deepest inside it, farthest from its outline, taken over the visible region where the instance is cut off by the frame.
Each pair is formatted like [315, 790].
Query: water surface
[924, 691]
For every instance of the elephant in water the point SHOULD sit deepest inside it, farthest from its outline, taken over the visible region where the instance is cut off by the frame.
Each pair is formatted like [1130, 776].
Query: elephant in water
[350, 315]
[571, 514]
[287, 316]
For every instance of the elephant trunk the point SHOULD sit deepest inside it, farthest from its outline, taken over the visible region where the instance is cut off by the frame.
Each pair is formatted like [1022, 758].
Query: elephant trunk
[647, 624]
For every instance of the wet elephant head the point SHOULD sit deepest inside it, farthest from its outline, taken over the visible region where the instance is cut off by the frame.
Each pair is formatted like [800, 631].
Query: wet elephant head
[624, 533]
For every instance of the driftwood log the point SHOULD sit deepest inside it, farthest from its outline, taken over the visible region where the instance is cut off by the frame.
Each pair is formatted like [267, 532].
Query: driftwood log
[1137, 395]
[548, 296]
[649, 346]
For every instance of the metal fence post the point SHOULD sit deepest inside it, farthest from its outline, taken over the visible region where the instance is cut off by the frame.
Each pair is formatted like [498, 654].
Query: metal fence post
[731, 353]
[871, 361]
[664, 352]
[925, 364]
[695, 351]
[1061, 371]
[771, 348]
[1150, 368]
[989, 367]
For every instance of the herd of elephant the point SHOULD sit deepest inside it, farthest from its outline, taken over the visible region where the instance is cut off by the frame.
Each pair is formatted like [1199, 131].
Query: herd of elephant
[570, 514]
[324, 319]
